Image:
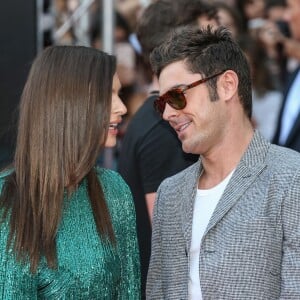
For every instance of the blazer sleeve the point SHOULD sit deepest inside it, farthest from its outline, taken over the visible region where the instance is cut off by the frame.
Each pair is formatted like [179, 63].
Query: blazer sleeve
[154, 288]
[290, 270]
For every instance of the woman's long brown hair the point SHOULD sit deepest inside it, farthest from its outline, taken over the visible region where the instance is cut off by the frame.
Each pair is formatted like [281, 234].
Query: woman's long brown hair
[63, 124]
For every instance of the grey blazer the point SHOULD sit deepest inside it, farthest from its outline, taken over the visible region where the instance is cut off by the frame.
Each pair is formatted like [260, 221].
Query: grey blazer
[251, 247]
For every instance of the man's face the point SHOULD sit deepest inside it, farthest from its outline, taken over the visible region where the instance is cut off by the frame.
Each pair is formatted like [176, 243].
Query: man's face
[200, 124]
[292, 16]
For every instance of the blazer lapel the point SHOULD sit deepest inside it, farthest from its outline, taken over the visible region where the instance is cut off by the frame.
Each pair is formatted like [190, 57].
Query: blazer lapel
[188, 192]
[250, 166]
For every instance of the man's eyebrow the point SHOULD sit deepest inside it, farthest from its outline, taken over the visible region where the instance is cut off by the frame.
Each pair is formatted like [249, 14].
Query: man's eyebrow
[178, 86]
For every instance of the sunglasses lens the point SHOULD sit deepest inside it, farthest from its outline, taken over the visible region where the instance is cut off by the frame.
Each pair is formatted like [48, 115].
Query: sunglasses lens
[159, 105]
[174, 98]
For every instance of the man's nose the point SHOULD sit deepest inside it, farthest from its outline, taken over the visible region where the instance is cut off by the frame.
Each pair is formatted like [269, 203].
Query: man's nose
[169, 112]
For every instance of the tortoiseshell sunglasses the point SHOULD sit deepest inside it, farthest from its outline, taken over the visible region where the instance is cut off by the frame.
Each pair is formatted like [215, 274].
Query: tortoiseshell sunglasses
[176, 98]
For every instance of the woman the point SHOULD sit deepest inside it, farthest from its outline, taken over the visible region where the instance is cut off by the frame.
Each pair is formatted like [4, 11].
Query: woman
[266, 96]
[229, 17]
[67, 228]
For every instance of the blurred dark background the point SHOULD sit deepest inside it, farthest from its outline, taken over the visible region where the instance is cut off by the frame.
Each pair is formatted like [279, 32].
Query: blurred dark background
[17, 50]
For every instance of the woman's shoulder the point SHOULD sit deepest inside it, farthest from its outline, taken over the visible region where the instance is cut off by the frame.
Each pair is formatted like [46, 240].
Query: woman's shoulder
[117, 194]
[3, 174]
[108, 175]
[112, 181]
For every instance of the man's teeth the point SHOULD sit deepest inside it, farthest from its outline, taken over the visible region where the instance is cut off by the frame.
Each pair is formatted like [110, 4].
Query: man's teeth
[113, 126]
[184, 126]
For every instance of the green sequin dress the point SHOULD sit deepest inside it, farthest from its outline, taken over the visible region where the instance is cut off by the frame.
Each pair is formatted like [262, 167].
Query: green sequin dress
[87, 268]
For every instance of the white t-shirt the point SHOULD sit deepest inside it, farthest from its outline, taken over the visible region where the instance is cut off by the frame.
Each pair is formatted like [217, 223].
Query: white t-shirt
[204, 206]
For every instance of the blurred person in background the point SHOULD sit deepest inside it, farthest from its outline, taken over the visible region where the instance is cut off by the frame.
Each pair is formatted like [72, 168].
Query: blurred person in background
[67, 228]
[277, 59]
[252, 13]
[196, 13]
[131, 10]
[150, 150]
[288, 127]
[275, 9]
[257, 20]
[228, 16]
[266, 98]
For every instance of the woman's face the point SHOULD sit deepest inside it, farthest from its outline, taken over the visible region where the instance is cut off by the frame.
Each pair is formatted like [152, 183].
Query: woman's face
[226, 20]
[254, 9]
[118, 109]
[292, 16]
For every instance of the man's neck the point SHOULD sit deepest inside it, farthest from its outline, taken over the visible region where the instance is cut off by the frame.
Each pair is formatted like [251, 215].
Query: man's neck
[224, 159]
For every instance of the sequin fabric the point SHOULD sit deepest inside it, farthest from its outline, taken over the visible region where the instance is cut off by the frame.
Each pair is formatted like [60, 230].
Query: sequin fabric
[88, 268]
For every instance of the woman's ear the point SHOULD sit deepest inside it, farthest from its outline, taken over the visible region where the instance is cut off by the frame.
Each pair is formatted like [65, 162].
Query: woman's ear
[228, 85]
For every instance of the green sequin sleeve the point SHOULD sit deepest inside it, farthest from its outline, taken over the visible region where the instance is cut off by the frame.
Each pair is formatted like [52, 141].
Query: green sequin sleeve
[125, 229]
[16, 282]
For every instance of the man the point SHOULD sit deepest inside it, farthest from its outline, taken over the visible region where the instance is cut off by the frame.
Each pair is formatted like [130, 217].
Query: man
[228, 226]
[288, 128]
[150, 149]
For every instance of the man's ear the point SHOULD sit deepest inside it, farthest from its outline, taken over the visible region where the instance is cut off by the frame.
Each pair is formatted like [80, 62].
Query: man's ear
[228, 85]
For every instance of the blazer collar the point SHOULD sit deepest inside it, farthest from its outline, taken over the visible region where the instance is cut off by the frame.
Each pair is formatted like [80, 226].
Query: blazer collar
[250, 166]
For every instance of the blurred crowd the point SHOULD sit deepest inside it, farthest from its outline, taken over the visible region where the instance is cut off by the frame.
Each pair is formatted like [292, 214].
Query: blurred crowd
[259, 26]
